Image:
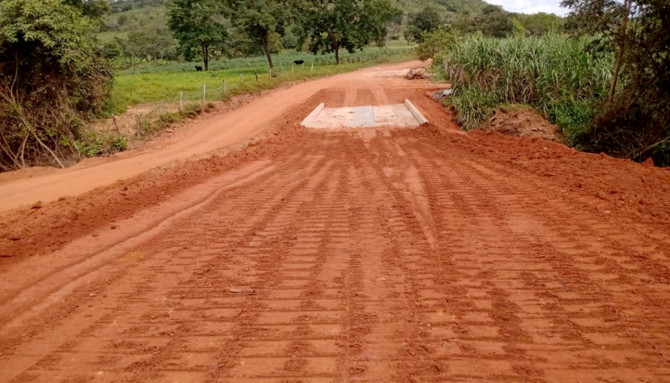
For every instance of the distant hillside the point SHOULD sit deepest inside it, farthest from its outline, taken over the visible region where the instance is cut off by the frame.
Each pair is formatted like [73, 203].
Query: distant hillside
[456, 6]
[126, 19]
[446, 6]
[138, 28]
[133, 15]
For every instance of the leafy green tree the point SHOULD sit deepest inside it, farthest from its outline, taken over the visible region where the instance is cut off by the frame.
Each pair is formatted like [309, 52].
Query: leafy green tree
[385, 21]
[634, 121]
[494, 22]
[263, 21]
[198, 24]
[51, 78]
[91, 8]
[427, 20]
[541, 23]
[438, 41]
[332, 25]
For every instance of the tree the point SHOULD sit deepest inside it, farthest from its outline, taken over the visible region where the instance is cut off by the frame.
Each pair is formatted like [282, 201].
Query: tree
[386, 21]
[198, 24]
[494, 22]
[427, 20]
[335, 24]
[634, 121]
[434, 42]
[263, 21]
[541, 23]
[51, 78]
[91, 8]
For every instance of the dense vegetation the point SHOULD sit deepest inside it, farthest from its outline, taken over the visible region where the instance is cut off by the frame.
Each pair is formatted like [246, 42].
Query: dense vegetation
[554, 74]
[604, 80]
[137, 28]
[634, 119]
[51, 79]
[602, 75]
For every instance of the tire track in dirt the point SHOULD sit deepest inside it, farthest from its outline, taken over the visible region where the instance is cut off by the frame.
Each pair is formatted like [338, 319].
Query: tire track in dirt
[373, 255]
[241, 212]
[578, 276]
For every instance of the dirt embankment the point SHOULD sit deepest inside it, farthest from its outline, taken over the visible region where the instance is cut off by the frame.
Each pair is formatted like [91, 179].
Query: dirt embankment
[521, 121]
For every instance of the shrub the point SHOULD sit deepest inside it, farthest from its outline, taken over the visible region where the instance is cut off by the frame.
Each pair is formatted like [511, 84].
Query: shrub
[51, 78]
[552, 73]
[94, 144]
[435, 42]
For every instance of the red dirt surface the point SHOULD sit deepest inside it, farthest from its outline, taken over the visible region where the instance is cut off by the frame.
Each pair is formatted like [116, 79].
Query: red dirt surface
[386, 255]
[521, 121]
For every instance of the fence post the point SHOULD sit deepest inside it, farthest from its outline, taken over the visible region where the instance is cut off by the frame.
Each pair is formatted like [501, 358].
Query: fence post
[303, 66]
[256, 74]
[181, 100]
[312, 66]
[224, 87]
[204, 93]
[242, 78]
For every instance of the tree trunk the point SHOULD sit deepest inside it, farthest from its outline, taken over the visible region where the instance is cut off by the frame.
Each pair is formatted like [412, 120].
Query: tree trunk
[337, 54]
[266, 49]
[205, 56]
[622, 48]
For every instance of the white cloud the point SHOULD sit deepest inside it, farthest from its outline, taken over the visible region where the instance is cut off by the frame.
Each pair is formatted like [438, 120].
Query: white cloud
[529, 6]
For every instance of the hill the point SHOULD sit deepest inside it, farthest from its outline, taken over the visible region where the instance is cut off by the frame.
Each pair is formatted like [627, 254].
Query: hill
[138, 28]
[133, 15]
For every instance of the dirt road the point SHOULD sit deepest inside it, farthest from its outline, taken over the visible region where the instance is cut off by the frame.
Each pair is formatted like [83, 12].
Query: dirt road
[372, 255]
[208, 133]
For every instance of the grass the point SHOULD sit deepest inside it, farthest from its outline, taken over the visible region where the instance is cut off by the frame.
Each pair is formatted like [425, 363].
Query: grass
[153, 83]
[553, 74]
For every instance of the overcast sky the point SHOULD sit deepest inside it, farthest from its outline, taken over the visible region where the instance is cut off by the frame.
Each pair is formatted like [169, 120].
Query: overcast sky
[531, 6]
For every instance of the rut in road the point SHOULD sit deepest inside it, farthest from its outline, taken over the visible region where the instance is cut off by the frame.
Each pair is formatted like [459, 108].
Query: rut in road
[378, 255]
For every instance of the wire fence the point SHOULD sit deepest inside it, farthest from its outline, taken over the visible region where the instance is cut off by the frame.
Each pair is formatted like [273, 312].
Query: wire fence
[147, 117]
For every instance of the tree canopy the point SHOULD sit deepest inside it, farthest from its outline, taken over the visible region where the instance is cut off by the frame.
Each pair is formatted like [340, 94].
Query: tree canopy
[420, 23]
[331, 25]
[51, 76]
[634, 121]
[198, 25]
[262, 21]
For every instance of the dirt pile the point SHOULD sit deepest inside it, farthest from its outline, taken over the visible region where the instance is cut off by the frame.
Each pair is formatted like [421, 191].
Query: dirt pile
[522, 121]
[417, 74]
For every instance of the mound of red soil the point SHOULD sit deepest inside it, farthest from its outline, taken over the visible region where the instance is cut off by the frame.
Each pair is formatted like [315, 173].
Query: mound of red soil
[522, 122]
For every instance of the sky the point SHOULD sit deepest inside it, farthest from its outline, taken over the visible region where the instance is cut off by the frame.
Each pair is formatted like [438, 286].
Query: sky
[531, 6]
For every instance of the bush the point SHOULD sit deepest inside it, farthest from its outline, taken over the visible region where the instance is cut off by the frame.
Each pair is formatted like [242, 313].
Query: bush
[52, 77]
[435, 42]
[553, 74]
[94, 144]
[474, 105]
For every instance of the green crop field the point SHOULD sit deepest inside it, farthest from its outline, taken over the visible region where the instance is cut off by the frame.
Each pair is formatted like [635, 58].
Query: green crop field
[164, 82]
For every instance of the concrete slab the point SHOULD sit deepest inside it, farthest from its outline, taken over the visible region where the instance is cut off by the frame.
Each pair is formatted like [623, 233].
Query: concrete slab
[364, 117]
[400, 115]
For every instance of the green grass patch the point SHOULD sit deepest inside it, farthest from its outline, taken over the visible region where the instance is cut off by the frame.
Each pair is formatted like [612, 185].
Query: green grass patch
[165, 82]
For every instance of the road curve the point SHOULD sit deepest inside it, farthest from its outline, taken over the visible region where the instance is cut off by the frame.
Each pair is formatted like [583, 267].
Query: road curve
[208, 134]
